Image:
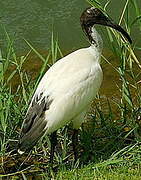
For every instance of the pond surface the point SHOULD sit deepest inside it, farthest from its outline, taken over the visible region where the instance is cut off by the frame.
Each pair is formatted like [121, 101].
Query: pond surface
[35, 21]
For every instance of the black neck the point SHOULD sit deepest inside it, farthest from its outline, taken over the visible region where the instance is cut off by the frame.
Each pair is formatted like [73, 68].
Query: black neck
[88, 31]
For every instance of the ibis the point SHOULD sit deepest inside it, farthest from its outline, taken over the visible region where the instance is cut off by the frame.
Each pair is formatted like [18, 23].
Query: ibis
[68, 87]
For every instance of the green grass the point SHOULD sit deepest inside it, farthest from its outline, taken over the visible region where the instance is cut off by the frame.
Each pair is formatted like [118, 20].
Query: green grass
[109, 143]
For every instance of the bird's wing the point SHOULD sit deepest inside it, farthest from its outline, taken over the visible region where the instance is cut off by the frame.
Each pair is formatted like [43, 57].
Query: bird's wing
[33, 126]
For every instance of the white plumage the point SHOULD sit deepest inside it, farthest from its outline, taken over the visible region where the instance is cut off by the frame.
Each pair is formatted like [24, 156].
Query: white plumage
[71, 84]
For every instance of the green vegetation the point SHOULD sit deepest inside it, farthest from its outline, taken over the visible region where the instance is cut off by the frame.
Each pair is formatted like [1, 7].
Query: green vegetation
[109, 144]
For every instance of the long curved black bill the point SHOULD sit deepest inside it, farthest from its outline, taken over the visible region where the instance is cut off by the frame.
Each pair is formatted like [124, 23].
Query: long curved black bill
[120, 29]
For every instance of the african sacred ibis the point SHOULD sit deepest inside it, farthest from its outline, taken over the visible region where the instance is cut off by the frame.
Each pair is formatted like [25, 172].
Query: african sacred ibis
[68, 87]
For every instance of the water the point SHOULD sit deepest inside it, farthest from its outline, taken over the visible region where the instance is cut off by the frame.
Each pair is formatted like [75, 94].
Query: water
[35, 20]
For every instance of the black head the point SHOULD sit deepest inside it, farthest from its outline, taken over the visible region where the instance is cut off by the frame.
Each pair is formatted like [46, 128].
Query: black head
[92, 16]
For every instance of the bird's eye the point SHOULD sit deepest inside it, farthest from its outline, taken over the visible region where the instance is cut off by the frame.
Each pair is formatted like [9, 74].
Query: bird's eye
[88, 11]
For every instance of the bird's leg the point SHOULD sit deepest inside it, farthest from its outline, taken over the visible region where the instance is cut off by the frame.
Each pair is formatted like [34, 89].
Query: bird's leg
[75, 143]
[53, 139]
